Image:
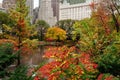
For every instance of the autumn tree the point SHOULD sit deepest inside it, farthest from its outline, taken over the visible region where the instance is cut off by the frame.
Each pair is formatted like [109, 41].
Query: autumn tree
[107, 12]
[115, 13]
[100, 40]
[67, 26]
[5, 19]
[42, 26]
[56, 33]
[22, 30]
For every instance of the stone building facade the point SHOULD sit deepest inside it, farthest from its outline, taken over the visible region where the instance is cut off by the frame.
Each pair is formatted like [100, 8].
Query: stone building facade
[55, 6]
[46, 12]
[30, 4]
[75, 11]
[0, 5]
[1, 8]
[35, 14]
[7, 4]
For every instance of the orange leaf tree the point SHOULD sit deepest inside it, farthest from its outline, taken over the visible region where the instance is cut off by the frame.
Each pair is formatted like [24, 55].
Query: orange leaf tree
[65, 64]
[22, 30]
[107, 14]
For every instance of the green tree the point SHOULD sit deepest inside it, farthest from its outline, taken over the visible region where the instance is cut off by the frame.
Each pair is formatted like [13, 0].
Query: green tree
[20, 73]
[42, 26]
[104, 47]
[67, 26]
[110, 61]
[6, 57]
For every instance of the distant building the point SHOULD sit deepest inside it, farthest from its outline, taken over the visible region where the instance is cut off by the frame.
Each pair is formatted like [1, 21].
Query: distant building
[55, 6]
[35, 14]
[46, 12]
[1, 8]
[74, 1]
[0, 5]
[7, 4]
[75, 11]
[30, 4]
[79, 11]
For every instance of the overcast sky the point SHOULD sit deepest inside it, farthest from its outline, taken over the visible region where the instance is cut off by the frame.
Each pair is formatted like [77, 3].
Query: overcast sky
[0, 1]
[35, 3]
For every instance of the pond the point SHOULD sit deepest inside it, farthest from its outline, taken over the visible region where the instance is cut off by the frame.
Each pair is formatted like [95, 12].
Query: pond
[36, 58]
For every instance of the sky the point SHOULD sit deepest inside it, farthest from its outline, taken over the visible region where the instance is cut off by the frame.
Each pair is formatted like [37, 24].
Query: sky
[0, 1]
[35, 3]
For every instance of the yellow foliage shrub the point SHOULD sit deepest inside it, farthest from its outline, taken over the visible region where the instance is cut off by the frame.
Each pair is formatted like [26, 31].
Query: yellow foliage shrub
[56, 33]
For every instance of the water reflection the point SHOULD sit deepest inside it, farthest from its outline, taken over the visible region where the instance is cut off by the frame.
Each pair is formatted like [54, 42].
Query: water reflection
[34, 59]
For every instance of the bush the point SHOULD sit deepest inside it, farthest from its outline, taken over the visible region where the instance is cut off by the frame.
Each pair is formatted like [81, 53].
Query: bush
[66, 65]
[20, 73]
[67, 25]
[109, 62]
[56, 33]
[6, 57]
[107, 76]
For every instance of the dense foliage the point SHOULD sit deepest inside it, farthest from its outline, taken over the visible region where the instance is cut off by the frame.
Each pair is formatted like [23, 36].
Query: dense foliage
[67, 65]
[64, 63]
[41, 27]
[5, 19]
[7, 56]
[109, 62]
[95, 56]
[20, 73]
[21, 31]
[55, 33]
[15, 40]
[67, 26]
[99, 48]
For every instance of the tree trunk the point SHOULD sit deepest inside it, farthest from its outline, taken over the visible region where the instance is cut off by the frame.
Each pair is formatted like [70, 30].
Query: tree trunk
[115, 19]
[19, 47]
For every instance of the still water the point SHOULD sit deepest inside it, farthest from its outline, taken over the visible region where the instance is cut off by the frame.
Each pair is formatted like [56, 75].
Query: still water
[34, 59]
[37, 58]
